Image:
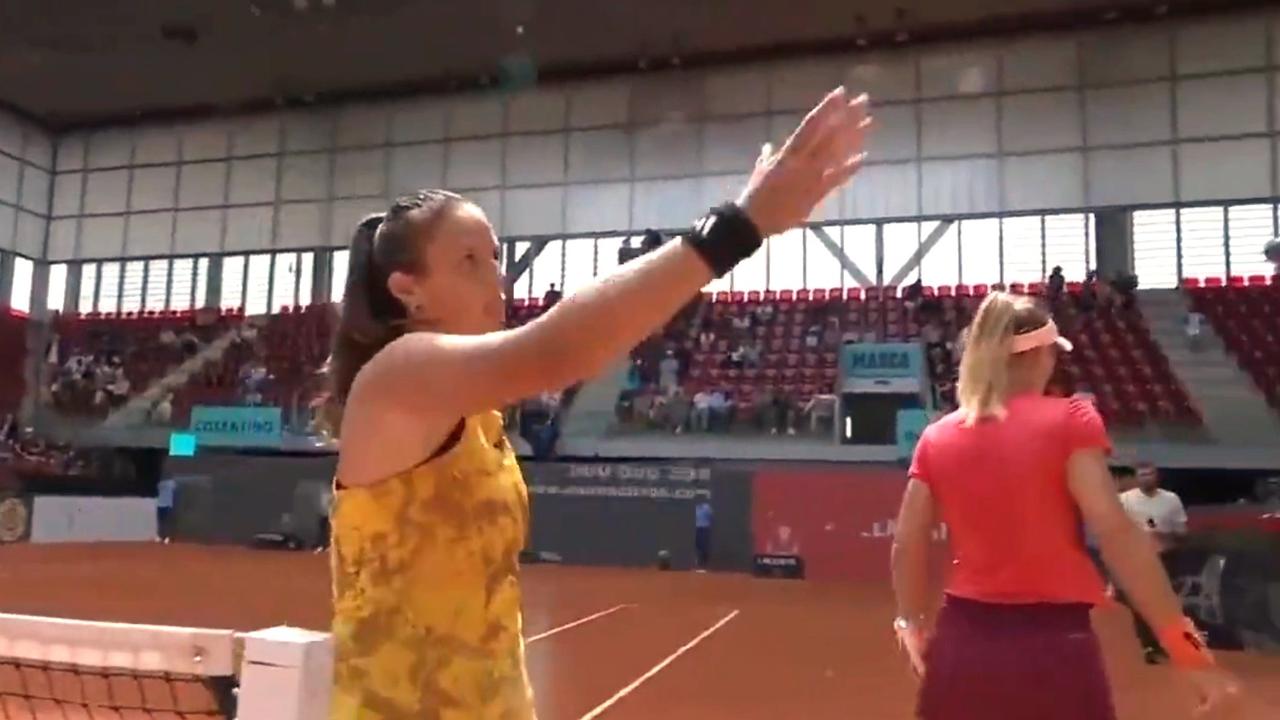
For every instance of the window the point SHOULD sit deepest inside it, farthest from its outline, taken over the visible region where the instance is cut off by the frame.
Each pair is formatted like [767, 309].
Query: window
[1155, 248]
[202, 283]
[306, 277]
[821, 269]
[607, 255]
[859, 242]
[1066, 244]
[20, 292]
[941, 266]
[157, 285]
[1204, 246]
[180, 286]
[284, 282]
[233, 282]
[980, 251]
[1249, 227]
[57, 296]
[901, 241]
[786, 260]
[1023, 249]
[548, 268]
[752, 273]
[522, 284]
[109, 287]
[88, 288]
[579, 263]
[338, 263]
[257, 289]
[135, 273]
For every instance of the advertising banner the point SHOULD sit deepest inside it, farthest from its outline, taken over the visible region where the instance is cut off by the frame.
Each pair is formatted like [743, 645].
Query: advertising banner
[57, 518]
[881, 360]
[840, 521]
[227, 426]
[910, 424]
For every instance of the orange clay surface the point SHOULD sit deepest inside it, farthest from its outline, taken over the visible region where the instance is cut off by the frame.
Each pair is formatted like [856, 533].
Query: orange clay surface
[793, 649]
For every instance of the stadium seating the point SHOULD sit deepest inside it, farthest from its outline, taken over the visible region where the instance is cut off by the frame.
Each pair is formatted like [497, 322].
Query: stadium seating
[136, 338]
[1117, 361]
[1245, 312]
[13, 352]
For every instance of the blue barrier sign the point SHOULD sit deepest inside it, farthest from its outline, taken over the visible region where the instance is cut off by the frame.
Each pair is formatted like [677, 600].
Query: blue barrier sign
[910, 426]
[881, 360]
[182, 444]
[237, 426]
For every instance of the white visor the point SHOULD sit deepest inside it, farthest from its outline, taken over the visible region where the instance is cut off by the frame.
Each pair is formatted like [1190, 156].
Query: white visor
[1042, 336]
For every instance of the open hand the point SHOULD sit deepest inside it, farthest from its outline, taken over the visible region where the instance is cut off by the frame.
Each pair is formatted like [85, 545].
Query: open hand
[824, 152]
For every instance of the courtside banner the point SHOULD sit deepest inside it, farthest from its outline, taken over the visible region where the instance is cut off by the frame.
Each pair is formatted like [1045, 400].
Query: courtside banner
[626, 513]
[840, 520]
[219, 426]
[636, 481]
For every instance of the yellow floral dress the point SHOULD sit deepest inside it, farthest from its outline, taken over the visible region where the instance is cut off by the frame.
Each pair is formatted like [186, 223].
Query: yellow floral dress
[426, 590]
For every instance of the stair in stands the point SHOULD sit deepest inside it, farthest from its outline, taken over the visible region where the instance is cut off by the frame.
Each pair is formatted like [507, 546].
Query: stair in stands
[1234, 411]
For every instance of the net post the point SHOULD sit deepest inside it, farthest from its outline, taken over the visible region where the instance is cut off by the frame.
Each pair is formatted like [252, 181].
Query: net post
[286, 674]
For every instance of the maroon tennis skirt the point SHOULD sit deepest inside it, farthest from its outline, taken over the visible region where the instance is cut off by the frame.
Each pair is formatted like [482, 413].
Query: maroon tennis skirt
[990, 661]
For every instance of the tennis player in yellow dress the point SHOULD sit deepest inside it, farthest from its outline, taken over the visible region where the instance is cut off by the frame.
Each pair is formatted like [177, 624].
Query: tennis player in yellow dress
[430, 511]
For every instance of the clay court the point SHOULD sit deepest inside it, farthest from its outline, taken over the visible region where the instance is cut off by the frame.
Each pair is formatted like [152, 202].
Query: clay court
[617, 644]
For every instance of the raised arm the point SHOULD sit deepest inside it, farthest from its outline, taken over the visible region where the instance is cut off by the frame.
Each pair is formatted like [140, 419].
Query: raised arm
[432, 375]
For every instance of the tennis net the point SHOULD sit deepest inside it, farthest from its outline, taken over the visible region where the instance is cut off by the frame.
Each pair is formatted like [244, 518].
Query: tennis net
[56, 669]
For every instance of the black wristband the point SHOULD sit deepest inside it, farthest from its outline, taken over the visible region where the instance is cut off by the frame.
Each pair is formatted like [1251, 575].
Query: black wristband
[725, 237]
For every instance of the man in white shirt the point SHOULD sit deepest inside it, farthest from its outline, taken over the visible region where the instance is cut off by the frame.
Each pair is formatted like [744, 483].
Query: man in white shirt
[1162, 515]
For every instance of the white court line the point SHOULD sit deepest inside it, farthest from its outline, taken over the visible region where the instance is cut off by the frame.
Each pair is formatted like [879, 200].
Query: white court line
[602, 707]
[579, 621]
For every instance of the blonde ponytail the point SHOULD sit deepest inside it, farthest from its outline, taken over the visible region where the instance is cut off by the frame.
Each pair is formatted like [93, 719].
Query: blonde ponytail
[984, 367]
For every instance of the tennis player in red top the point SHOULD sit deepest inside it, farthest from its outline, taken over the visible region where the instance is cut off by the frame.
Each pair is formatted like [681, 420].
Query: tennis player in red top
[1012, 473]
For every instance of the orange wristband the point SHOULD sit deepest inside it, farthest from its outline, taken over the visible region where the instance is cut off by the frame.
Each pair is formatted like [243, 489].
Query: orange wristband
[1182, 642]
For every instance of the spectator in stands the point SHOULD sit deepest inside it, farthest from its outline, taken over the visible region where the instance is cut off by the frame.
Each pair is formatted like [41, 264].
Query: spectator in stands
[652, 241]
[190, 343]
[1056, 283]
[813, 337]
[1125, 287]
[1089, 292]
[162, 412]
[764, 313]
[751, 351]
[932, 336]
[700, 419]
[168, 338]
[551, 296]
[722, 410]
[831, 336]
[253, 381]
[1271, 251]
[706, 337]
[783, 414]
[669, 373]
[675, 411]
[626, 253]
[1193, 326]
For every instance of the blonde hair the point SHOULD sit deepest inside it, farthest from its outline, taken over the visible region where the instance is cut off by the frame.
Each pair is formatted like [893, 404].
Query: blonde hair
[984, 366]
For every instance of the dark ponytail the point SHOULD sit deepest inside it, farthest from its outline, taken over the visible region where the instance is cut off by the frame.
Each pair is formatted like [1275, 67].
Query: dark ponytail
[371, 315]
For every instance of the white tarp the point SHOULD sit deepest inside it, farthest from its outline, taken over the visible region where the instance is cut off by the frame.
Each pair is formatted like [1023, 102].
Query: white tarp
[92, 519]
